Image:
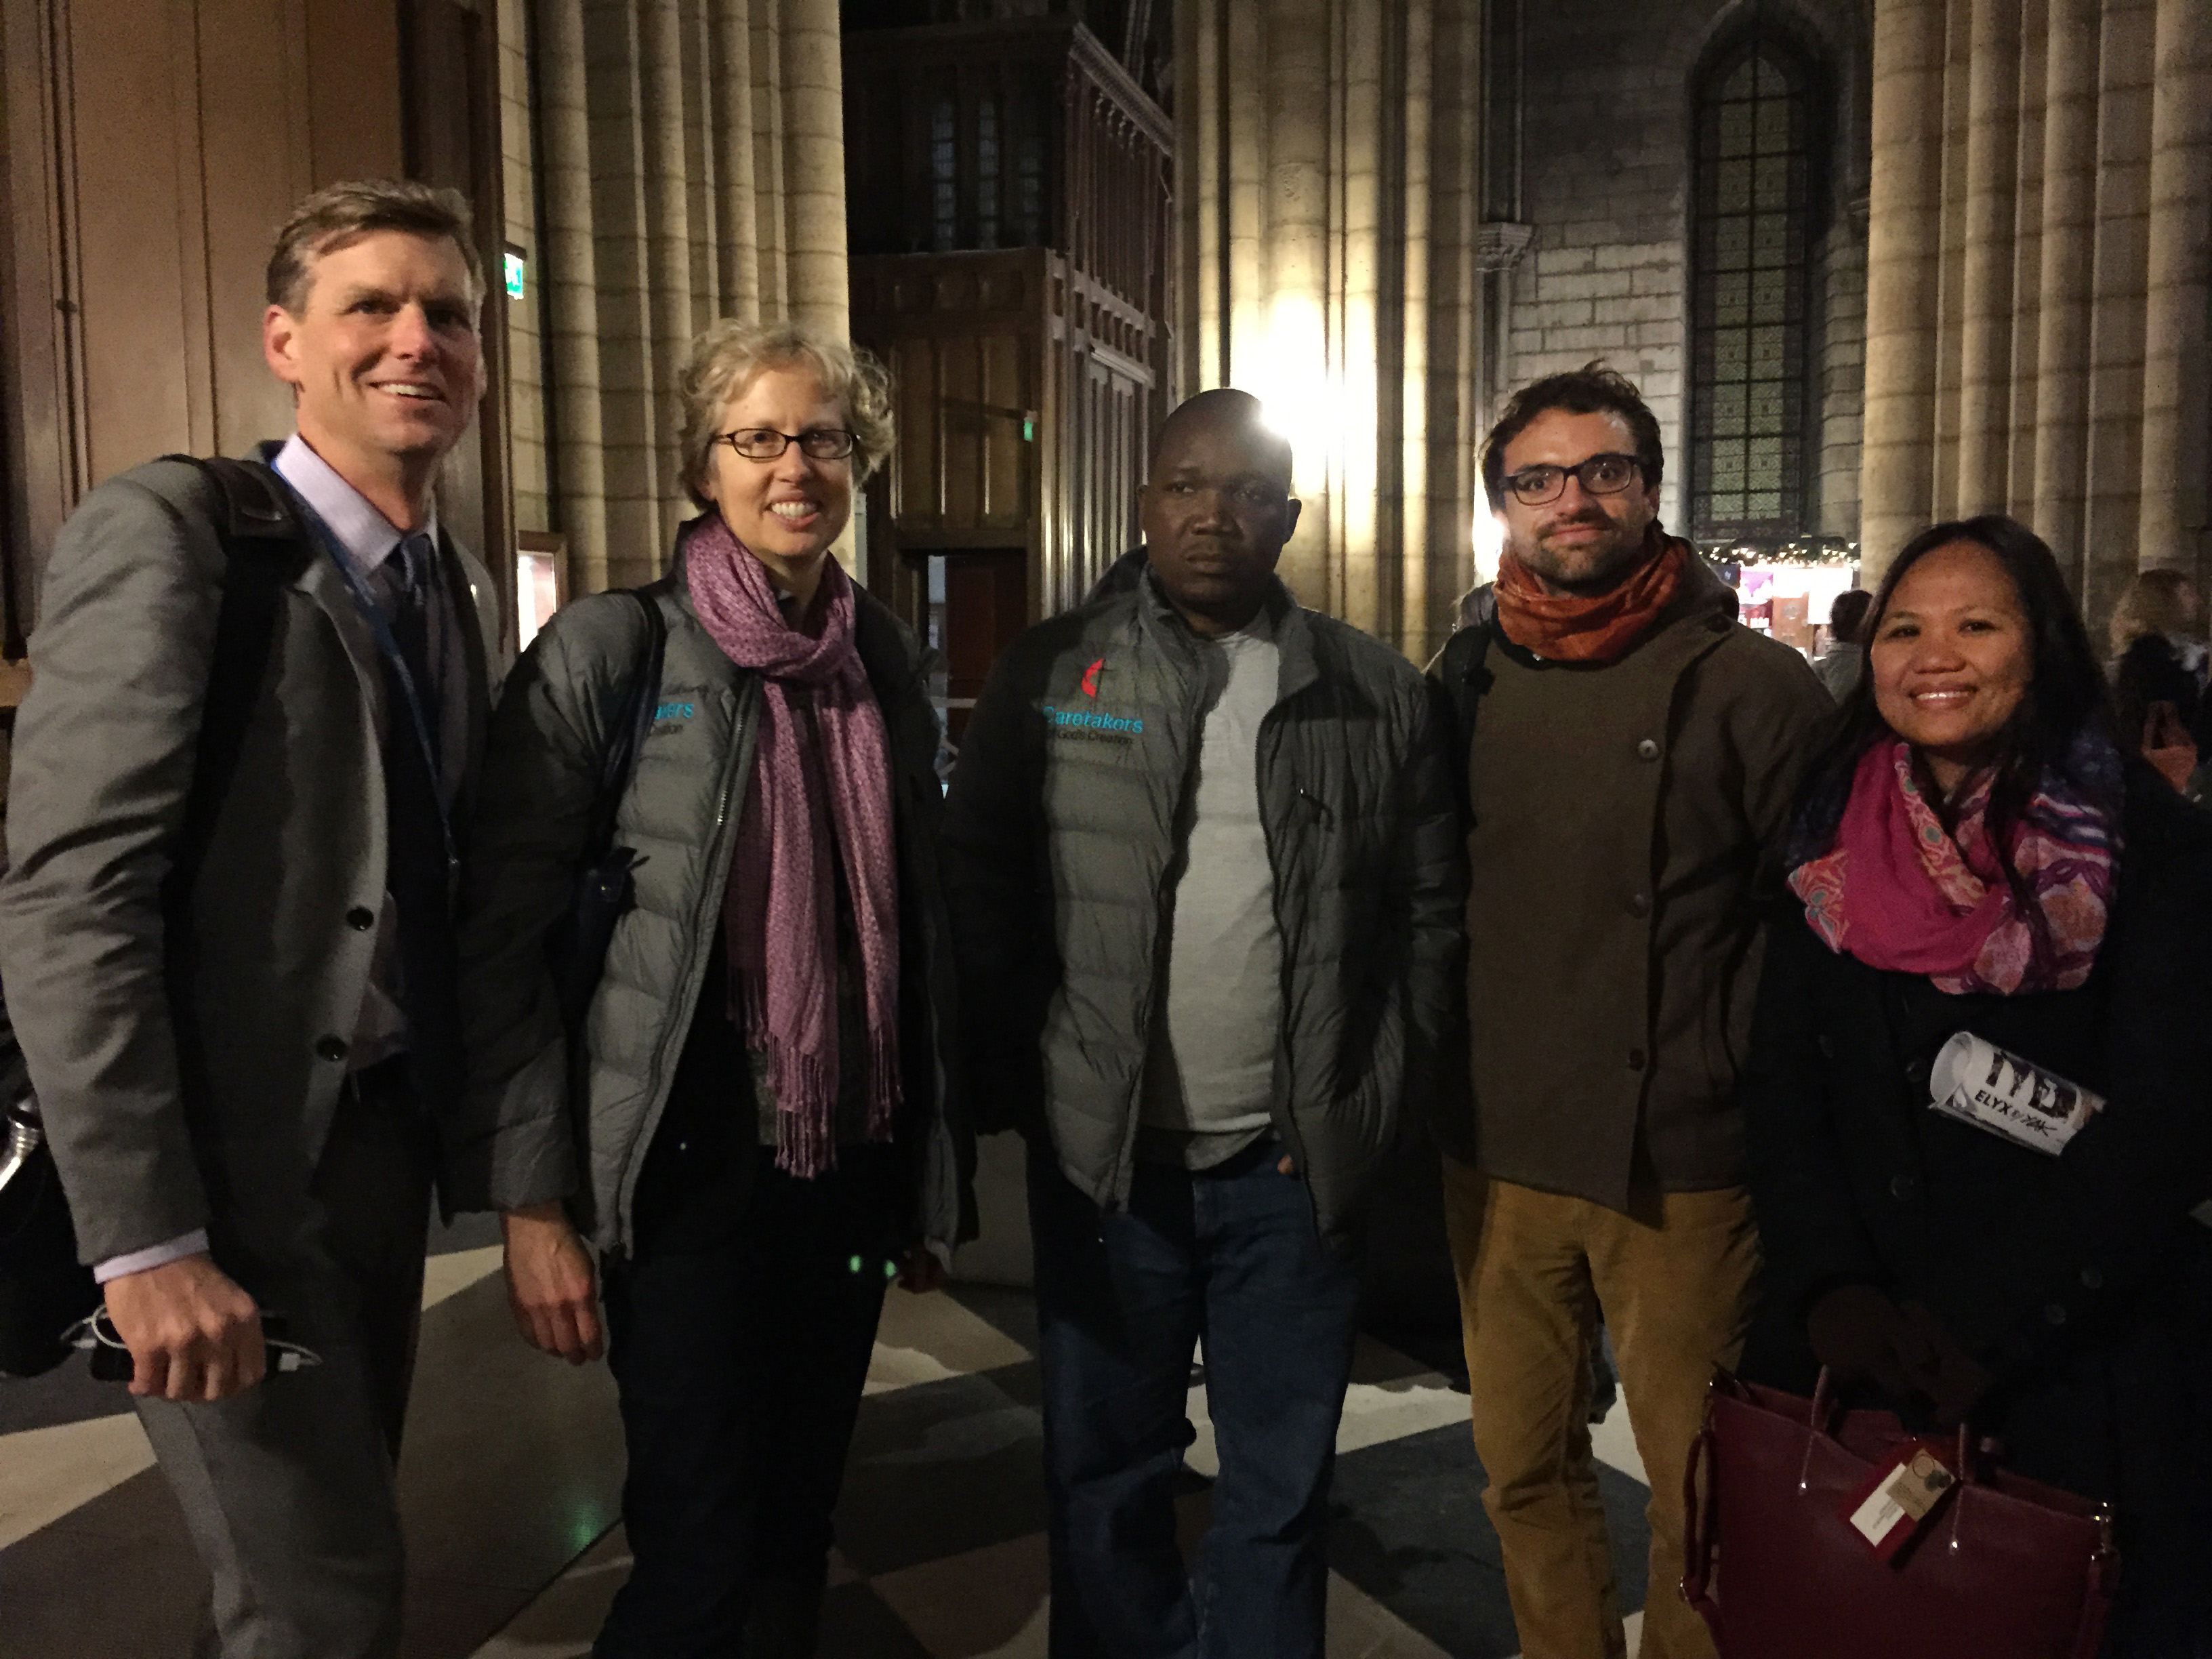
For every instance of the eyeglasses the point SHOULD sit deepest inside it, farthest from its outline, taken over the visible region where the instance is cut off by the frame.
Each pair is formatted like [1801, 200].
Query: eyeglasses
[1600, 475]
[765, 443]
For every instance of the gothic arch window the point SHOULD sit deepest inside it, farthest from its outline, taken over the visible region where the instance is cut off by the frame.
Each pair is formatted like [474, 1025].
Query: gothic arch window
[1751, 245]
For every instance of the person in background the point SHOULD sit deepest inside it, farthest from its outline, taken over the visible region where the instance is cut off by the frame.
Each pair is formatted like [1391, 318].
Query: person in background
[1840, 667]
[768, 1126]
[254, 1134]
[1206, 879]
[1627, 752]
[1974, 852]
[2160, 665]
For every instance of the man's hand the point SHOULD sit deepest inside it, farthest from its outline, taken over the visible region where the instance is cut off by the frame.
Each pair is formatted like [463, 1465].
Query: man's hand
[192, 1333]
[550, 1285]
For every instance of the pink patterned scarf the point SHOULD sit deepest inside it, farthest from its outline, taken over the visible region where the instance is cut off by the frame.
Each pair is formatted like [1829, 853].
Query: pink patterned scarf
[779, 914]
[1899, 892]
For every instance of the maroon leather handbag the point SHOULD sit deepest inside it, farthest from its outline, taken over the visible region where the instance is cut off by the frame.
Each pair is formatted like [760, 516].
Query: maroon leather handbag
[2004, 1568]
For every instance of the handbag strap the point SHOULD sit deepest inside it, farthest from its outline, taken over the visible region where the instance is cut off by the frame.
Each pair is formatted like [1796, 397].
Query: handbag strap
[1700, 1529]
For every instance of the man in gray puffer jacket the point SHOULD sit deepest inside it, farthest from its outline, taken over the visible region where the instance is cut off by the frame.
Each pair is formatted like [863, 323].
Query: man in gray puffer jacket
[1205, 877]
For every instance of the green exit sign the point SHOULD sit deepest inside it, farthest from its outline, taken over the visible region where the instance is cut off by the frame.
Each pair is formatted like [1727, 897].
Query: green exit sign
[518, 271]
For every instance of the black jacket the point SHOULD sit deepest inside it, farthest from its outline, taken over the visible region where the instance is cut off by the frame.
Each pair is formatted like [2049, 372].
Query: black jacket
[2058, 1273]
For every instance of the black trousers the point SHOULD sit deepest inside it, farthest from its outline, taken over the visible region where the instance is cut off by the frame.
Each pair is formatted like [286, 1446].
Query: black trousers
[740, 1358]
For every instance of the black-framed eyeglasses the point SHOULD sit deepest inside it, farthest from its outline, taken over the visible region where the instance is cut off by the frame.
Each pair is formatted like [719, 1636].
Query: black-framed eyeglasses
[765, 443]
[1600, 475]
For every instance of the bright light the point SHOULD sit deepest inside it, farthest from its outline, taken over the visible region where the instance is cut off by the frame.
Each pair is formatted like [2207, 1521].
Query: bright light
[1291, 379]
[1489, 543]
[517, 275]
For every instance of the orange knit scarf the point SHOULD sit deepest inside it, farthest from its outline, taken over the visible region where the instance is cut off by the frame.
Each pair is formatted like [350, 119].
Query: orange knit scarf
[1594, 628]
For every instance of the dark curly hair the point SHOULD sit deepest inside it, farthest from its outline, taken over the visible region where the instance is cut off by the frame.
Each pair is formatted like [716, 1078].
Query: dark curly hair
[2062, 732]
[1593, 389]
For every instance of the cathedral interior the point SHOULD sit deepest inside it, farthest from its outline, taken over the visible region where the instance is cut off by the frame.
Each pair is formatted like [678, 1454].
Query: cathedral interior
[1872, 262]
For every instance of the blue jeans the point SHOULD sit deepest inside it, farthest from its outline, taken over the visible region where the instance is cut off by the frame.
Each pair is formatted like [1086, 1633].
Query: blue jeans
[1229, 1257]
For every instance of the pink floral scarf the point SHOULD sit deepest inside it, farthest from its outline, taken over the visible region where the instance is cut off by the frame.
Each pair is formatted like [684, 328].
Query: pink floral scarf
[780, 915]
[1899, 892]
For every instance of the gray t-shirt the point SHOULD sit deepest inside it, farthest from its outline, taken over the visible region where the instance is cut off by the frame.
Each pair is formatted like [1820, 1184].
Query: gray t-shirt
[1209, 1077]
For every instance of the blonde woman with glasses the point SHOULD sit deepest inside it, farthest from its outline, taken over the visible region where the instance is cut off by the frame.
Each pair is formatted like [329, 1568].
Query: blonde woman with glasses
[762, 1132]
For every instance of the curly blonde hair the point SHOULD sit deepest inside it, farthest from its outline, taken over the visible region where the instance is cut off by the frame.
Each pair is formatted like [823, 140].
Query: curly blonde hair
[723, 360]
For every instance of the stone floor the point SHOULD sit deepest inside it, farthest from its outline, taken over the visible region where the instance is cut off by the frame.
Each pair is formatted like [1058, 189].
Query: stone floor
[514, 1463]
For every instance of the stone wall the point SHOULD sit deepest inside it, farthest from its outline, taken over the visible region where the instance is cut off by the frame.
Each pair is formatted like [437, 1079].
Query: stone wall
[1604, 180]
[2040, 279]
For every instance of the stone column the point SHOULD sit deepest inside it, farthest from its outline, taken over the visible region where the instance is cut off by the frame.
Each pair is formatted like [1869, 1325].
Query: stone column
[694, 158]
[2177, 371]
[1986, 296]
[1327, 268]
[2070, 218]
[2114, 475]
[1896, 472]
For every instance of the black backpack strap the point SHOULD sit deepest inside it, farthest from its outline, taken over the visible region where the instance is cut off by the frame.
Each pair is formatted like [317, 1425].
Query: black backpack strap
[265, 549]
[632, 724]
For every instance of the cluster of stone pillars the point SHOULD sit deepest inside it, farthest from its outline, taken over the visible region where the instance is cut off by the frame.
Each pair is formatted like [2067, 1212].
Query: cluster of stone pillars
[2040, 240]
[1328, 191]
[689, 165]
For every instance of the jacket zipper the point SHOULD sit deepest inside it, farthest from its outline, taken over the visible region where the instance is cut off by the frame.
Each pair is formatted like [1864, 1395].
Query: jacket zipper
[1286, 1122]
[1195, 736]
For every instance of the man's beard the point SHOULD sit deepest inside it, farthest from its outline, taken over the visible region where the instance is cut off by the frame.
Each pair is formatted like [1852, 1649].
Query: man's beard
[1594, 567]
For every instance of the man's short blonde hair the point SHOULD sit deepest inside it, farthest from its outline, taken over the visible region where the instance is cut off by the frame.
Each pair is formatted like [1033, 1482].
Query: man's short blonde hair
[724, 360]
[338, 216]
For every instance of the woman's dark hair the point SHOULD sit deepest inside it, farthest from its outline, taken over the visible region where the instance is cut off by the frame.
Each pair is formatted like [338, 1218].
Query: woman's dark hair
[2066, 700]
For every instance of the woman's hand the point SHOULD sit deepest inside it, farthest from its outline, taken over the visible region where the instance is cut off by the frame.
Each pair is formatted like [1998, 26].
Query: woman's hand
[550, 1285]
[923, 1272]
[2168, 745]
[1857, 1332]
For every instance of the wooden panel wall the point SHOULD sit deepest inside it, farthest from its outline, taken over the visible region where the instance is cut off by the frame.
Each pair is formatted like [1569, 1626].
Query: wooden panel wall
[152, 149]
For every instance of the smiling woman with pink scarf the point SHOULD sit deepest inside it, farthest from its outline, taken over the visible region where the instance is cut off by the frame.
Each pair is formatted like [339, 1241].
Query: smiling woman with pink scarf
[1975, 855]
[753, 1130]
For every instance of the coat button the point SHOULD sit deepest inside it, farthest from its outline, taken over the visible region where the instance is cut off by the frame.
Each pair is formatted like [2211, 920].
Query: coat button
[1918, 1071]
[1827, 1046]
[330, 1048]
[2056, 1313]
[361, 918]
[1902, 1187]
[2092, 1280]
[1636, 1060]
[1647, 750]
[1640, 904]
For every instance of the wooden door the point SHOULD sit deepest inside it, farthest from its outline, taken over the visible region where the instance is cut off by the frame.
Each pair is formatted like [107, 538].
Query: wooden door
[986, 605]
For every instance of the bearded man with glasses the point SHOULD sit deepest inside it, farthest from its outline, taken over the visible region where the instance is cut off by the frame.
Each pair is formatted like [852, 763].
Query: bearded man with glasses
[1628, 751]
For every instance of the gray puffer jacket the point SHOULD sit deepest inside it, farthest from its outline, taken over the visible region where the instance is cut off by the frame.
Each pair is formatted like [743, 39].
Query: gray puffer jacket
[1061, 840]
[519, 1138]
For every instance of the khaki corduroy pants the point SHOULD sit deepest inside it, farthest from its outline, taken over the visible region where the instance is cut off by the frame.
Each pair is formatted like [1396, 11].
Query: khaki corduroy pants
[1535, 1268]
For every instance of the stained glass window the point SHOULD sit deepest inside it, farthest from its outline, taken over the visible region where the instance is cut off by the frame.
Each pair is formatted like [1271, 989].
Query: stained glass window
[944, 176]
[1747, 302]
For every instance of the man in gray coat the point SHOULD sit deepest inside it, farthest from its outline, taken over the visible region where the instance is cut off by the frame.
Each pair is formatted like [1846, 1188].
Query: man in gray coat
[1204, 882]
[236, 992]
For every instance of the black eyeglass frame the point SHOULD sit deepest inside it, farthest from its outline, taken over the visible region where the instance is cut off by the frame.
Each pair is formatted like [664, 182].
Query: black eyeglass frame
[1579, 471]
[847, 442]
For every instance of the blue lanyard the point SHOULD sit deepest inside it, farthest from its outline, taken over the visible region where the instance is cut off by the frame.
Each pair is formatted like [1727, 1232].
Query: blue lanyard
[387, 646]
